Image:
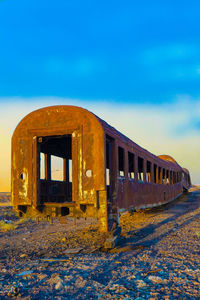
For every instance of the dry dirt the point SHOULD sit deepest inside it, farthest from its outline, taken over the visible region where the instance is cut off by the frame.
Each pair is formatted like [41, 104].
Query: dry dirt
[158, 256]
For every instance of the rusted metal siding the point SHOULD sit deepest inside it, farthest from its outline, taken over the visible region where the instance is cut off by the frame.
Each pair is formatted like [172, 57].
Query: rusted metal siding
[88, 149]
[134, 193]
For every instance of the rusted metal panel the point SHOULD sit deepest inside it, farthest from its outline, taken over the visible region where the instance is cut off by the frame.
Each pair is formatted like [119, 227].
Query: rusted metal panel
[87, 151]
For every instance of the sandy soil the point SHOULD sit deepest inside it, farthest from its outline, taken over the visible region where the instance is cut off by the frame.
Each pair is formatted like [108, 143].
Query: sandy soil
[158, 256]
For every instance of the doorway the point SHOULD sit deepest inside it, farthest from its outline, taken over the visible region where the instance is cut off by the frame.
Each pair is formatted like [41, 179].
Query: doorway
[54, 169]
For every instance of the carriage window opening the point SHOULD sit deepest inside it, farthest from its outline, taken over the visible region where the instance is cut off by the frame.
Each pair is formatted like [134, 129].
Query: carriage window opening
[174, 179]
[148, 174]
[155, 168]
[121, 161]
[107, 176]
[163, 176]
[159, 174]
[42, 165]
[70, 170]
[131, 165]
[108, 153]
[178, 177]
[57, 168]
[140, 169]
[171, 179]
[167, 177]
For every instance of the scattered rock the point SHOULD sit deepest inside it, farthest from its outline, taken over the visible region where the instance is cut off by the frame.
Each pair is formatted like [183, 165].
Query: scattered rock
[73, 251]
[140, 284]
[59, 285]
[153, 271]
[49, 273]
[13, 292]
[23, 255]
[4, 270]
[155, 279]
[24, 273]
[111, 242]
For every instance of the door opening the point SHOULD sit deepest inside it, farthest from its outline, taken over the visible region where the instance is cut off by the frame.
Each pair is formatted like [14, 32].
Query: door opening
[54, 169]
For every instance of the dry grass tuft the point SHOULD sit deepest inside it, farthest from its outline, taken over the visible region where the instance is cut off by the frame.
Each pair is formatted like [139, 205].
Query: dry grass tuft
[7, 226]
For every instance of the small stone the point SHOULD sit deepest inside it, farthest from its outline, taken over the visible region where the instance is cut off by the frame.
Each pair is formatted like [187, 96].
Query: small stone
[41, 276]
[24, 273]
[155, 279]
[14, 291]
[111, 242]
[23, 255]
[80, 282]
[140, 284]
[73, 250]
[59, 285]
[68, 278]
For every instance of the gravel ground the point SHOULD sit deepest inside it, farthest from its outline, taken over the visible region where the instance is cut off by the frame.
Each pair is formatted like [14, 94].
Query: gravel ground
[158, 256]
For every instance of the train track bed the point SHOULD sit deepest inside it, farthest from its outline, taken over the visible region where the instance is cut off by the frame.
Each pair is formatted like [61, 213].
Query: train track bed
[158, 257]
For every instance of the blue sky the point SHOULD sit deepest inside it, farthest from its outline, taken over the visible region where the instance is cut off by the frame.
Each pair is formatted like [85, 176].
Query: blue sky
[134, 63]
[123, 51]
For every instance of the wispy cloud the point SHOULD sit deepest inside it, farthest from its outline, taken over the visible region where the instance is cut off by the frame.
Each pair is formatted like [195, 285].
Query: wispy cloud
[172, 62]
[75, 67]
[169, 53]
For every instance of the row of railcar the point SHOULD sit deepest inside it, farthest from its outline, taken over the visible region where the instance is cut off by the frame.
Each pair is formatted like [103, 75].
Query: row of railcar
[103, 171]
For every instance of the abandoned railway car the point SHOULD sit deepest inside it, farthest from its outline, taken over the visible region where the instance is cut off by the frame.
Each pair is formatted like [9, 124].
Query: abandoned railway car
[68, 162]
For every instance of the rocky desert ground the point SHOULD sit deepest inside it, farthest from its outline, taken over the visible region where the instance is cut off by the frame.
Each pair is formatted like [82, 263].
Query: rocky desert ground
[158, 256]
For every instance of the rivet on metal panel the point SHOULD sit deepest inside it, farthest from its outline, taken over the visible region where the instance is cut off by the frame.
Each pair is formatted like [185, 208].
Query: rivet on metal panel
[89, 173]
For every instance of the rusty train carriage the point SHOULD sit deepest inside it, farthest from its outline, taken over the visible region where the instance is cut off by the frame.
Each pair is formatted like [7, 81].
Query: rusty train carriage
[103, 171]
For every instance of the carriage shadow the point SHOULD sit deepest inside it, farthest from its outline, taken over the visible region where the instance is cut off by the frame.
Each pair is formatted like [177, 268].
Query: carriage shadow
[144, 237]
